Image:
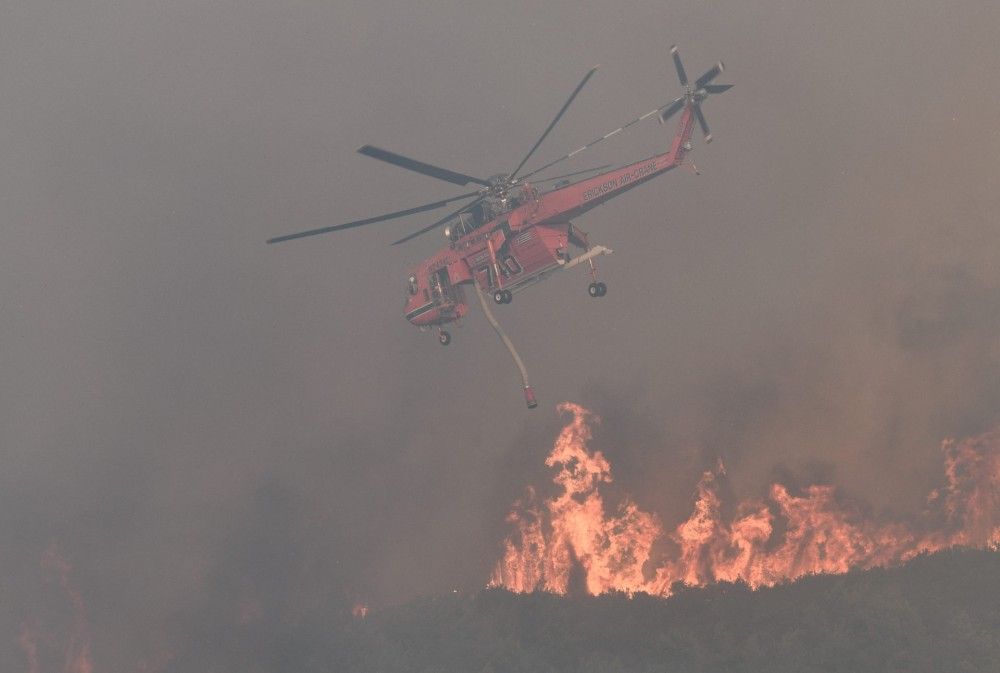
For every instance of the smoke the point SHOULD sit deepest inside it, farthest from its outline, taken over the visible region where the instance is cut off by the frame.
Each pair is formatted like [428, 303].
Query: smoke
[226, 439]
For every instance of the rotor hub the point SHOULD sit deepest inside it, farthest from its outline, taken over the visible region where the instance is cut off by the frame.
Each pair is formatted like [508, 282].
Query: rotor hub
[499, 183]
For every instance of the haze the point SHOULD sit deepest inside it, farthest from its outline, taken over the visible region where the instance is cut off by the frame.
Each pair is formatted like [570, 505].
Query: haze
[199, 422]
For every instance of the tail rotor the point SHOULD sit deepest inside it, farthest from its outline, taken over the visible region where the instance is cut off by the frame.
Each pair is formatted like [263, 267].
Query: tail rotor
[696, 93]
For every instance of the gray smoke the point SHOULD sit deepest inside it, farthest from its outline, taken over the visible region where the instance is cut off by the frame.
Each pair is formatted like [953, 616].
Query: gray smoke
[211, 429]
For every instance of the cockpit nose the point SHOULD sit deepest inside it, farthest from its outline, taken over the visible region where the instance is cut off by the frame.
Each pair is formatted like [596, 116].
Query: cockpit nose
[417, 300]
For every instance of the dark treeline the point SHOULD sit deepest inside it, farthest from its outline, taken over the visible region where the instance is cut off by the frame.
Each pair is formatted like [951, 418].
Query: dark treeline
[938, 613]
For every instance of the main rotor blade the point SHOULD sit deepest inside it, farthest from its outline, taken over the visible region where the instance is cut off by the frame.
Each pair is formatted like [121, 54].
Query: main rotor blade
[370, 220]
[709, 75]
[597, 140]
[439, 222]
[554, 121]
[420, 167]
[681, 75]
[702, 123]
[717, 88]
[569, 175]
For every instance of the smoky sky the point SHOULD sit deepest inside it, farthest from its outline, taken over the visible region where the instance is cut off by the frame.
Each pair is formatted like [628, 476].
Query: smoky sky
[208, 427]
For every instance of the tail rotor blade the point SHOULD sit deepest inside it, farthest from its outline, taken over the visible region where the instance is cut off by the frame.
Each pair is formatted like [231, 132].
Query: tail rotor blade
[681, 75]
[672, 109]
[702, 123]
[711, 74]
[717, 88]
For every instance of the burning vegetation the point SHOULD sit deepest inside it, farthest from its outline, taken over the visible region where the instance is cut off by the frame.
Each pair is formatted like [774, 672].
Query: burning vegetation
[66, 646]
[780, 537]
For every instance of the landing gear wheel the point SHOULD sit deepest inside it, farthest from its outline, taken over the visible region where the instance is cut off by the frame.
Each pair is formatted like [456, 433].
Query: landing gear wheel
[508, 296]
[500, 296]
[444, 338]
[602, 289]
[594, 290]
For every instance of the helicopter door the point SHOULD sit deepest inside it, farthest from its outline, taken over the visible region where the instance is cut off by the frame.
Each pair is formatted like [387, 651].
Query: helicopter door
[434, 283]
[444, 282]
[440, 285]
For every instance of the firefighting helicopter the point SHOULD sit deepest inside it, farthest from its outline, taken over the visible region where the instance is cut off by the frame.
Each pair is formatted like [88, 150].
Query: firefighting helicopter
[514, 233]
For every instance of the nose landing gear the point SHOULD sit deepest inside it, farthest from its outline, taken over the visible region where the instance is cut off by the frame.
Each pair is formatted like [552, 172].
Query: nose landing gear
[503, 296]
[444, 337]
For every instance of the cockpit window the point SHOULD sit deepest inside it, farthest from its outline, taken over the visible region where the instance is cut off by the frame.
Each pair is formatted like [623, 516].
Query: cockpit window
[411, 285]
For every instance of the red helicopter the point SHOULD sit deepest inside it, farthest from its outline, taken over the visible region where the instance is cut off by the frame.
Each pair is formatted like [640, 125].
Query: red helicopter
[513, 234]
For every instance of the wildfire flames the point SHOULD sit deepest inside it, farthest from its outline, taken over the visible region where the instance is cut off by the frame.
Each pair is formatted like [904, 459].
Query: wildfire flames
[75, 653]
[780, 537]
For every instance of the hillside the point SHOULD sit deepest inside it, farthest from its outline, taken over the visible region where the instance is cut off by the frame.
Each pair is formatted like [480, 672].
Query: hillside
[937, 613]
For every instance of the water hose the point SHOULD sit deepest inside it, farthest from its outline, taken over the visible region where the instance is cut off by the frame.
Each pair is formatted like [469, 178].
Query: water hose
[529, 393]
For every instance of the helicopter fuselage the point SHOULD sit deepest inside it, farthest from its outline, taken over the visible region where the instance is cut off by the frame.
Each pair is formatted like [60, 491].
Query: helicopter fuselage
[522, 245]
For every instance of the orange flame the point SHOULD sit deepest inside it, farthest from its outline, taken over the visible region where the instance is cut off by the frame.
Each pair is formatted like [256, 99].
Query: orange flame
[610, 550]
[78, 648]
[779, 538]
[29, 645]
[76, 654]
